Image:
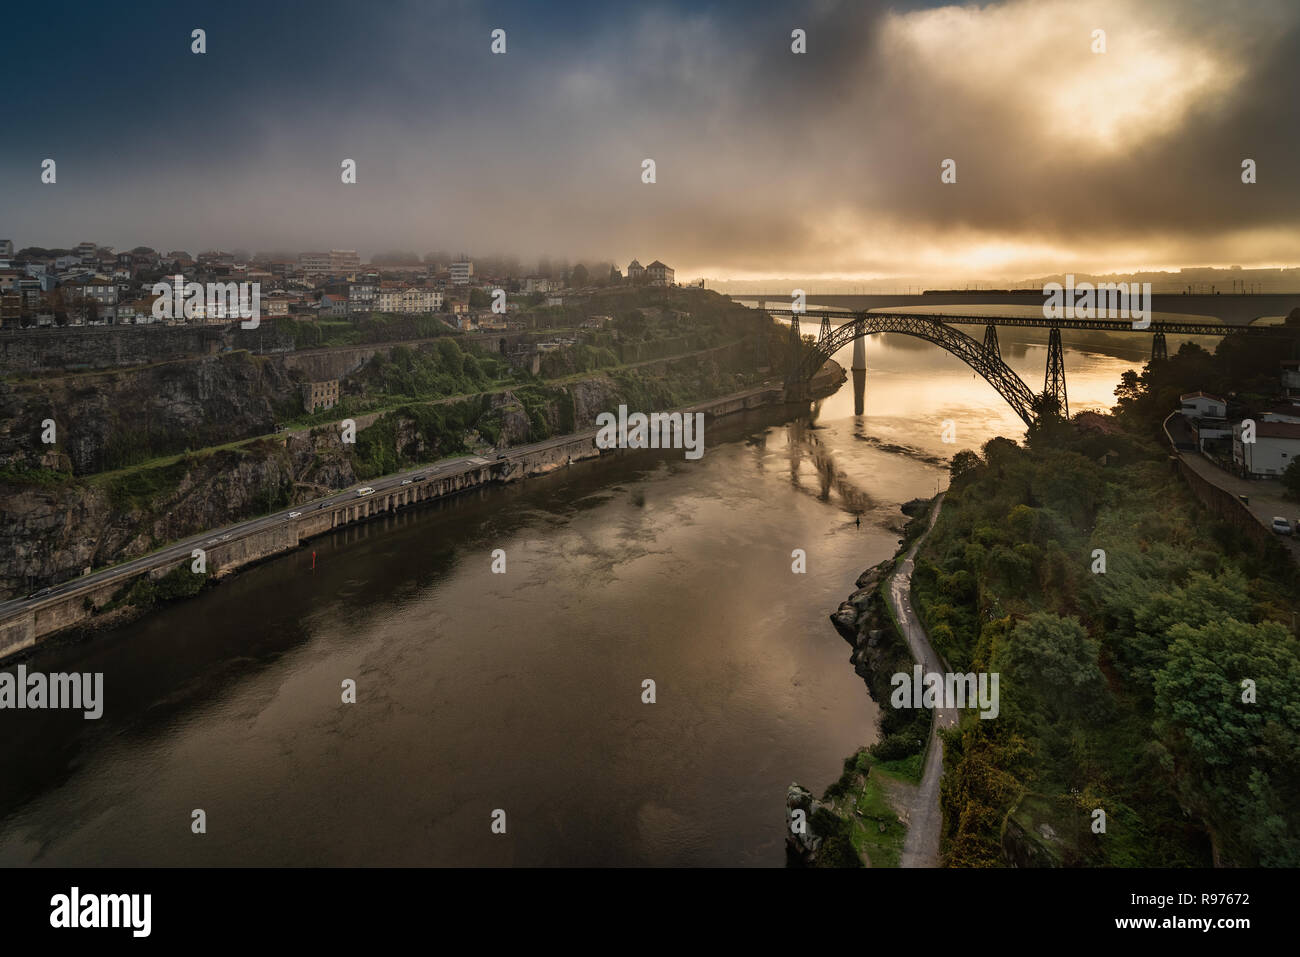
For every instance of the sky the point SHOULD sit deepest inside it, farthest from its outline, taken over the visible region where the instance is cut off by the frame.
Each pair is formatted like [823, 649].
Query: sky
[767, 162]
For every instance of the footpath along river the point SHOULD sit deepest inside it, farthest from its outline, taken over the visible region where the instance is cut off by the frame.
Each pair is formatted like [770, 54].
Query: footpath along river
[519, 691]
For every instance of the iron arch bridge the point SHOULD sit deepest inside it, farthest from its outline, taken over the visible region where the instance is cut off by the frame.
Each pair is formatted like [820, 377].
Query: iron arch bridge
[984, 357]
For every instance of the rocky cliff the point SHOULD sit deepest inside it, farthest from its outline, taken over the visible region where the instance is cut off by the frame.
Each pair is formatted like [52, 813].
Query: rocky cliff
[109, 419]
[63, 508]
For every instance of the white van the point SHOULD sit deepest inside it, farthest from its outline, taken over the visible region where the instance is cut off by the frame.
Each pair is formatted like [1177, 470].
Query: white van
[365, 490]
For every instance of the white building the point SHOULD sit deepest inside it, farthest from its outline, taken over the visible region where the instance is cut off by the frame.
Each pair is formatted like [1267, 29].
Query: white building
[462, 273]
[1203, 404]
[344, 262]
[409, 300]
[1276, 446]
[315, 264]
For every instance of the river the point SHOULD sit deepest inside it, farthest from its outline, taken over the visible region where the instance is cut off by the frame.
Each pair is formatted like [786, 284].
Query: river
[521, 691]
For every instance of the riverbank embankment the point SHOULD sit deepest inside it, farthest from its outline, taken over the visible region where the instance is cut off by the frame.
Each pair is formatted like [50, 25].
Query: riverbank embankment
[109, 596]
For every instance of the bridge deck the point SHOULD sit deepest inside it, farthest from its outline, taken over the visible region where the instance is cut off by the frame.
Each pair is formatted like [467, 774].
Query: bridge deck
[1102, 325]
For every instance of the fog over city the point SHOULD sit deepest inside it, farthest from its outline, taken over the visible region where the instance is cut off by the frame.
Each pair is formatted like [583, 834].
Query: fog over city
[768, 163]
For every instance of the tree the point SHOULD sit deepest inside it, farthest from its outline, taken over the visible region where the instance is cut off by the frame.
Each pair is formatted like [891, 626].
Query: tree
[964, 463]
[1204, 600]
[1054, 659]
[1228, 710]
[1291, 478]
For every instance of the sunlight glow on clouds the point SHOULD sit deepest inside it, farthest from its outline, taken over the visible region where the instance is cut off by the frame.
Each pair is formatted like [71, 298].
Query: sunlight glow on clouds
[1036, 59]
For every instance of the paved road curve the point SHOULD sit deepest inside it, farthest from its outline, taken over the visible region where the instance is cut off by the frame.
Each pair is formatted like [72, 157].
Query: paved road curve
[181, 550]
[921, 847]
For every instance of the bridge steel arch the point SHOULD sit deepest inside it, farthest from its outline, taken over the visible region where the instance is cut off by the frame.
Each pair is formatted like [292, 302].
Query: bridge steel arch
[984, 360]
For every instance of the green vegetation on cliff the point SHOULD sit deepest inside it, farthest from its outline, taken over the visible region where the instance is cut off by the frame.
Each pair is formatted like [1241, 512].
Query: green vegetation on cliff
[1120, 691]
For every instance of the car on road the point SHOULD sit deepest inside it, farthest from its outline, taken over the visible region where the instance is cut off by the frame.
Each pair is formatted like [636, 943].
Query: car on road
[420, 478]
[365, 490]
[40, 594]
[225, 538]
[1281, 525]
[322, 505]
[503, 455]
[407, 481]
[213, 541]
[295, 514]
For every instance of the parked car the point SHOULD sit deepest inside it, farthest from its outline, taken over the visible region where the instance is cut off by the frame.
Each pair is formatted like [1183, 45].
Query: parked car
[1281, 525]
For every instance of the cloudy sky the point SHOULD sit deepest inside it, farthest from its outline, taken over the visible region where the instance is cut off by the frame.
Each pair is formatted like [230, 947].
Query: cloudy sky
[768, 163]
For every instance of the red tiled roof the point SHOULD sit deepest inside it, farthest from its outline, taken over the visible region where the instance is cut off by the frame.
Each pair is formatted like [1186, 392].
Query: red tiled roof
[1278, 430]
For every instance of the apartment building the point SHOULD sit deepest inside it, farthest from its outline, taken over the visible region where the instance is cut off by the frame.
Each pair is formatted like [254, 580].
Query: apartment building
[344, 262]
[362, 295]
[314, 264]
[409, 299]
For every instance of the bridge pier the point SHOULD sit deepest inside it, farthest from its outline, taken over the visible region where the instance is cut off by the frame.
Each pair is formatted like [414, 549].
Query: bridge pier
[1054, 380]
[991, 341]
[859, 375]
[1158, 348]
[795, 359]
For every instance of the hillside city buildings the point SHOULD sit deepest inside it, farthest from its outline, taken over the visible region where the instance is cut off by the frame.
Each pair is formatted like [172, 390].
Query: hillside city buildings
[94, 285]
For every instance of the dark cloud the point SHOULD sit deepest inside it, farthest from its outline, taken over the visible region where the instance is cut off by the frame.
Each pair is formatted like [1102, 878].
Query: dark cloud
[767, 162]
